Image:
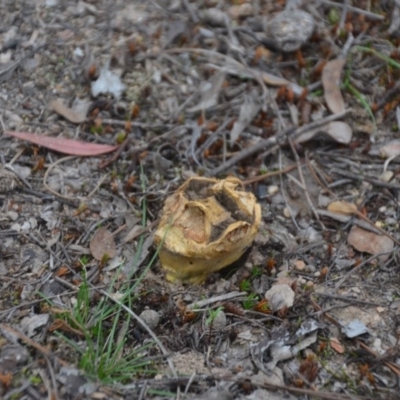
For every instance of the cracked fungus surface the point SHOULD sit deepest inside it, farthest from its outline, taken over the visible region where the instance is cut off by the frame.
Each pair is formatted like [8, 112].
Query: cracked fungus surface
[206, 225]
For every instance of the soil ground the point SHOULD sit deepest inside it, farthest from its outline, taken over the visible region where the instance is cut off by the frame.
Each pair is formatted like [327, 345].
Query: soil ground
[306, 117]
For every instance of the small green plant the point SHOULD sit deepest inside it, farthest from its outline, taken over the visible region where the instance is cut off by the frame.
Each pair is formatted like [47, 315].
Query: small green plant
[250, 301]
[96, 129]
[263, 170]
[104, 355]
[212, 314]
[256, 272]
[84, 260]
[245, 285]
[333, 16]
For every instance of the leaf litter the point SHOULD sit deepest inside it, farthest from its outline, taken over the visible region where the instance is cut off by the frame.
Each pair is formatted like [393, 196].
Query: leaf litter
[209, 90]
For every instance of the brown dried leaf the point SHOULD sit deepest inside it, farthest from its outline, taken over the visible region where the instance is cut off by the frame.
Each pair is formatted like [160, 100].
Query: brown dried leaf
[6, 379]
[71, 115]
[309, 368]
[369, 242]
[343, 207]
[331, 83]
[336, 345]
[274, 80]
[103, 245]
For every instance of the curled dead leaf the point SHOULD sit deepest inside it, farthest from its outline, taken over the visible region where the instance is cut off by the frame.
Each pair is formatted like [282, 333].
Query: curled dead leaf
[338, 131]
[336, 345]
[71, 115]
[331, 84]
[103, 245]
[343, 207]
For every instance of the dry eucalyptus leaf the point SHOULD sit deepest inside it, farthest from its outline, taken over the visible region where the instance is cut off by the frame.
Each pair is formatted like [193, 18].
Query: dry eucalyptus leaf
[274, 80]
[209, 93]
[343, 207]
[331, 84]
[103, 245]
[370, 242]
[248, 110]
[338, 131]
[206, 225]
[71, 115]
[62, 145]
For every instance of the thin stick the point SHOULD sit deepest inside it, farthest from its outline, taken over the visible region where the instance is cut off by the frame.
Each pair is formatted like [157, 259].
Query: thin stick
[368, 260]
[368, 14]
[297, 158]
[274, 142]
[32, 343]
[267, 175]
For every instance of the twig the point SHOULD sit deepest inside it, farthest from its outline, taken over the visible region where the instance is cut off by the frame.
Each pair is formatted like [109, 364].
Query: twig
[32, 343]
[284, 195]
[389, 364]
[274, 142]
[267, 175]
[368, 260]
[313, 173]
[375, 182]
[348, 299]
[344, 7]
[356, 10]
[46, 175]
[189, 8]
[222, 297]
[115, 155]
[297, 158]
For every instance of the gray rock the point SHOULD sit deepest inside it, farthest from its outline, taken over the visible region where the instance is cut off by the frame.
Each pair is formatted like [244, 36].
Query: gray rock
[290, 30]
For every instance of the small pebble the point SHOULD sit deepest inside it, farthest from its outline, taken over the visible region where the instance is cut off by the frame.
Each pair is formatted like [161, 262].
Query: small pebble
[150, 317]
[16, 227]
[241, 11]
[300, 265]
[309, 284]
[301, 281]
[273, 190]
[311, 268]
[12, 215]
[290, 30]
[386, 176]
[286, 212]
